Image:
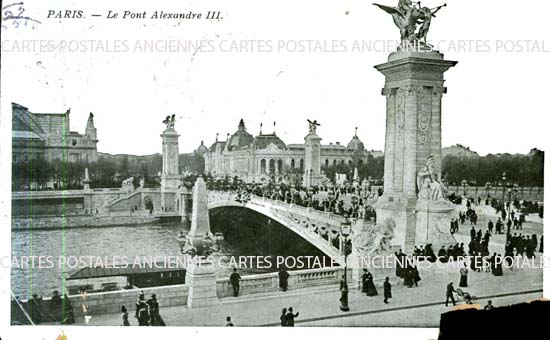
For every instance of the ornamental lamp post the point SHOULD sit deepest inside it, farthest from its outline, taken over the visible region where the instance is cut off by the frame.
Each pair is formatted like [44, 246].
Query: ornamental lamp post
[509, 201]
[503, 186]
[487, 188]
[465, 186]
[516, 190]
[345, 231]
[199, 246]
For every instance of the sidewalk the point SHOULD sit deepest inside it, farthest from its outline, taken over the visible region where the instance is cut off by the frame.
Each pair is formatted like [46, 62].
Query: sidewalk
[317, 305]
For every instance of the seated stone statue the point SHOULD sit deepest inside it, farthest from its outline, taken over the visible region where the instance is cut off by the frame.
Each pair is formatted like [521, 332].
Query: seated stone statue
[438, 191]
[429, 188]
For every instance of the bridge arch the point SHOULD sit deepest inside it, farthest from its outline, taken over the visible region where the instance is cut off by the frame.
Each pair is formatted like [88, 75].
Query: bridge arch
[326, 247]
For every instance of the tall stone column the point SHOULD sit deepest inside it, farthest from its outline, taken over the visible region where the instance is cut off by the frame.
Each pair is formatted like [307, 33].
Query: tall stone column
[170, 178]
[413, 89]
[312, 164]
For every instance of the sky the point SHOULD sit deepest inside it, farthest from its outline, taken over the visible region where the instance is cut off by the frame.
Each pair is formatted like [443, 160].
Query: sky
[250, 68]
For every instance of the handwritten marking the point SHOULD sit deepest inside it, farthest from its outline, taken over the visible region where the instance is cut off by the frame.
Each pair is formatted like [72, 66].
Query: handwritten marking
[13, 13]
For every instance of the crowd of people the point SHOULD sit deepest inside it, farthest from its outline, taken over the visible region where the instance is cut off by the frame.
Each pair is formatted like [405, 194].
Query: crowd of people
[331, 200]
[56, 309]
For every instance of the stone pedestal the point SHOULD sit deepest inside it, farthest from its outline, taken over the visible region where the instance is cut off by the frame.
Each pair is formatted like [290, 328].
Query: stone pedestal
[200, 277]
[414, 87]
[433, 223]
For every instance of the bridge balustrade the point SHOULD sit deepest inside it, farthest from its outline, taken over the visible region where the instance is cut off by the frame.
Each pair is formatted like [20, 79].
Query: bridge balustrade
[265, 283]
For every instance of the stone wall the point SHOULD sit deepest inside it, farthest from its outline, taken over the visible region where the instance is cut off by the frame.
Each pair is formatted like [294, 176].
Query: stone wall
[110, 302]
[49, 222]
[107, 302]
[177, 295]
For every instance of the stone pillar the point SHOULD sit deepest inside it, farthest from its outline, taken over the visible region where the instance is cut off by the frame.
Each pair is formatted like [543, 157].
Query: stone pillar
[86, 180]
[200, 277]
[312, 164]
[200, 274]
[413, 89]
[170, 178]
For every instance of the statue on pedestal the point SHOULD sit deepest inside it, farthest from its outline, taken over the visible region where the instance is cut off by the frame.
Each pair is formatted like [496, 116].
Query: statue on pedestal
[408, 16]
[170, 121]
[313, 126]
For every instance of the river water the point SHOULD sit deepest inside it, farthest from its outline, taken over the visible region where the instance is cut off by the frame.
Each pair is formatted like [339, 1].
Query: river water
[246, 233]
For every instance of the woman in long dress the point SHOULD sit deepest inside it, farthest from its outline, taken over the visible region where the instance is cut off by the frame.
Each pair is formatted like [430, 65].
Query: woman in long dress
[369, 283]
[463, 277]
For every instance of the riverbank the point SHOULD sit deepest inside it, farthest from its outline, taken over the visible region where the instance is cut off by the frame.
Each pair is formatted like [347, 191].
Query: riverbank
[82, 221]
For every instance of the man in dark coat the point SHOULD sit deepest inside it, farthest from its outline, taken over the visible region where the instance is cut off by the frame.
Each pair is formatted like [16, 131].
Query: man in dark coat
[234, 280]
[450, 294]
[290, 317]
[55, 306]
[283, 279]
[283, 318]
[387, 290]
[154, 312]
[142, 313]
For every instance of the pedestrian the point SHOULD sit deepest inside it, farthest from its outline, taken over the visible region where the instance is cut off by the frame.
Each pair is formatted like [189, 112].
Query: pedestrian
[283, 318]
[463, 276]
[387, 290]
[228, 322]
[154, 312]
[368, 284]
[142, 313]
[35, 309]
[234, 280]
[55, 306]
[290, 317]
[416, 275]
[489, 305]
[124, 311]
[283, 280]
[67, 317]
[450, 294]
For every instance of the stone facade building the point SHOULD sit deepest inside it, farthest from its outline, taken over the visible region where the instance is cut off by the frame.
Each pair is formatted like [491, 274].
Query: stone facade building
[267, 157]
[48, 136]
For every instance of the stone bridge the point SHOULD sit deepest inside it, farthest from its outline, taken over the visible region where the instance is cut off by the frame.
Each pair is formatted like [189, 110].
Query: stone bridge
[319, 228]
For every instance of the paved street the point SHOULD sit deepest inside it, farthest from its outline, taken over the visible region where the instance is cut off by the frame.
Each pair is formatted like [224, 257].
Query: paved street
[320, 307]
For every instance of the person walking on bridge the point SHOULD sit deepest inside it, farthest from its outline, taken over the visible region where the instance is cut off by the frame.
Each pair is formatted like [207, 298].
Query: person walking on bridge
[234, 280]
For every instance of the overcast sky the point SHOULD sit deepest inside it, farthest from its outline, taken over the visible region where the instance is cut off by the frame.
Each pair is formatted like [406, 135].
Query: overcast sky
[496, 99]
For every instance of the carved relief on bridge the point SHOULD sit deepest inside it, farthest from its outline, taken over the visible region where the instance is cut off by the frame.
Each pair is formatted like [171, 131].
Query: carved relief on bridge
[374, 239]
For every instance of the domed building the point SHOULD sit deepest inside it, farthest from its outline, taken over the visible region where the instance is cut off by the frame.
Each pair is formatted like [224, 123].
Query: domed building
[202, 149]
[267, 157]
[240, 140]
